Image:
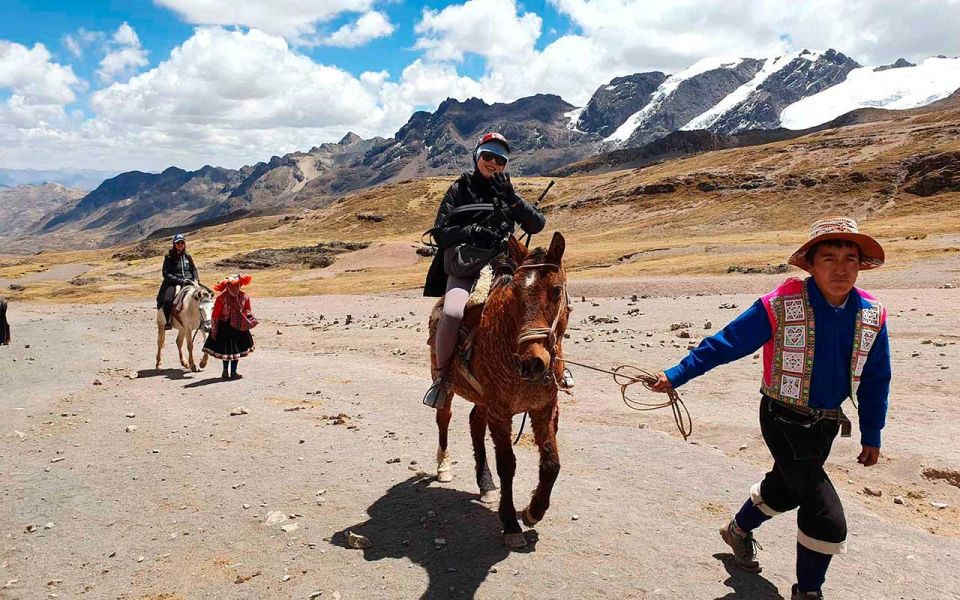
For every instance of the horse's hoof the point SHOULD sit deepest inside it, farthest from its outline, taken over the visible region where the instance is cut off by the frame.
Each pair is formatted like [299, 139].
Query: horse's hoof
[514, 540]
[491, 497]
[527, 518]
[445, 476]
[194, 369]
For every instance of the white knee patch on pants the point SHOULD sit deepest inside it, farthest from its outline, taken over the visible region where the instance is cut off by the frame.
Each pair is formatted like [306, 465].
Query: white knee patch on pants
[757, 500]
[820, 546]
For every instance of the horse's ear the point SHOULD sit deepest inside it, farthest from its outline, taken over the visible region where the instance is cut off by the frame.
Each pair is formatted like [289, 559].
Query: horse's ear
[515, 251]
[557, 246]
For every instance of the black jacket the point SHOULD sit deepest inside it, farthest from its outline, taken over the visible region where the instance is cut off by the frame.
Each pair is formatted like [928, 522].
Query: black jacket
[177, 270]
[471, 200]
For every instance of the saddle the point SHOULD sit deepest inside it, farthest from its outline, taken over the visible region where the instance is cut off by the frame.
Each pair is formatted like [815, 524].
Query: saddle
[178, 300]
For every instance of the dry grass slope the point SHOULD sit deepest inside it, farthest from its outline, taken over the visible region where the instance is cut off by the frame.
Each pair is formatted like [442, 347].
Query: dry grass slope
[693, 216]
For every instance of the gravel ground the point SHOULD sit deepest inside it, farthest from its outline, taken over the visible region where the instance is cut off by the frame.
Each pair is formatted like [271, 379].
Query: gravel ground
[120, 481]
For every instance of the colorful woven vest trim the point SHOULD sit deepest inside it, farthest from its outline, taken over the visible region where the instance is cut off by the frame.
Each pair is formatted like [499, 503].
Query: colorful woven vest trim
[788, 355]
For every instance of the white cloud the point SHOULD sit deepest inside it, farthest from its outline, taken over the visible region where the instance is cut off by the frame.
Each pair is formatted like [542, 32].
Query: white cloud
[29, 73]
[126, 36]
[124, 55]
[294, 19]
[76, 43]
[491, 28]
[369, 26]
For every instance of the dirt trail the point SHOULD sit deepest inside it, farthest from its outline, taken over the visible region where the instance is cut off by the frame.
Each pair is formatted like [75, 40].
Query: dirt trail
[177, 508]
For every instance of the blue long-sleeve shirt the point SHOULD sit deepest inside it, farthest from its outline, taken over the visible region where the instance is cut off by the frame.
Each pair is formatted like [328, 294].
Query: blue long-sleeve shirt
[833, 347]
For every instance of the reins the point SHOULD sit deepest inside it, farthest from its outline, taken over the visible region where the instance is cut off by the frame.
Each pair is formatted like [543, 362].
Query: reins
[681, 414]
[623, 375]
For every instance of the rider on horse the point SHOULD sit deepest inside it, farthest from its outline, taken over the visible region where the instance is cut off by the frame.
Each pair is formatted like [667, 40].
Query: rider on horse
[178, 270]
[477, 214]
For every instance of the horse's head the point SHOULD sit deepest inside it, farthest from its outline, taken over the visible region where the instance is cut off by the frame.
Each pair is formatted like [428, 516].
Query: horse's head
[540, 285]
[204, 299]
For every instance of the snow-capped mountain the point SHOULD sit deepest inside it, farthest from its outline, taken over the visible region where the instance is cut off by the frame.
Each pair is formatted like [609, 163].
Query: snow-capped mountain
[781, 82]
[899, 87]
[730, 96]
[683, 96]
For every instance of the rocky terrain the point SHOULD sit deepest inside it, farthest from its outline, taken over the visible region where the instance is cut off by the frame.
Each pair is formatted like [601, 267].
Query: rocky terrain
[629, 122]
[122, 481]
[23, 205]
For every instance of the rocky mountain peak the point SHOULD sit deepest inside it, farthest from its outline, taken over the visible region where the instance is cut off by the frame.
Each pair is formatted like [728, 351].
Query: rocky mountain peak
[350, 139]
[899, 64]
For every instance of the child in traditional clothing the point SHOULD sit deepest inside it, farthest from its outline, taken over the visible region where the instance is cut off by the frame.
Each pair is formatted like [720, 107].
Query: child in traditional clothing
[230, 338]
[806, 378]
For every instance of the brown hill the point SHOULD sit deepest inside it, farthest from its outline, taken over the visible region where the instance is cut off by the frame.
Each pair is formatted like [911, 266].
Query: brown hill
[696, 215]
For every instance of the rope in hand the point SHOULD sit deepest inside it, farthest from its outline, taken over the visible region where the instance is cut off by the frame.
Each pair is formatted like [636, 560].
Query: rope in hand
[627, 375]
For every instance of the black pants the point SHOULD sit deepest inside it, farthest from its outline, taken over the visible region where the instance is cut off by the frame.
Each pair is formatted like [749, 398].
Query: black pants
[800, 447]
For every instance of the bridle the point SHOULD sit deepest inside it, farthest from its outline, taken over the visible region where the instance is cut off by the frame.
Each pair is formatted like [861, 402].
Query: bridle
[549, 334]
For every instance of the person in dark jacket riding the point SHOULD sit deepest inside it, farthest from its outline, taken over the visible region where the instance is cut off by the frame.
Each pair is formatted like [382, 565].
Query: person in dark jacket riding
[476, 216]
[178, 270]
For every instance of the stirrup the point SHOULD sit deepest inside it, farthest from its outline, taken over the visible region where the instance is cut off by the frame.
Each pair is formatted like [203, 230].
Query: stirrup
[436, 396]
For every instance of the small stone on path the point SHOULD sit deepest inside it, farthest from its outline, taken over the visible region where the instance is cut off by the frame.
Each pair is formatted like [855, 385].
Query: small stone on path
[238, 411]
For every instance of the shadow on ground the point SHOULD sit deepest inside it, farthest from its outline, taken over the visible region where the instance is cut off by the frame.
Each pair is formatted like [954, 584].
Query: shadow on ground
[173, 374]
[746, 585]
[399, 527]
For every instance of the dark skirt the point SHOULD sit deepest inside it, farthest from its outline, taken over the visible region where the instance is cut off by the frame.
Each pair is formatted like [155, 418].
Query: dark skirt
[230, 344]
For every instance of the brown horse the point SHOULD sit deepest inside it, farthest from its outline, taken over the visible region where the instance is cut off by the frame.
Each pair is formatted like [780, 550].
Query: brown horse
[515, 367]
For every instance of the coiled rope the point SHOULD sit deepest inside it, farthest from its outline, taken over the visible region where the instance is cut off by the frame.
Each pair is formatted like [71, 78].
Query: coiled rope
[627, 375]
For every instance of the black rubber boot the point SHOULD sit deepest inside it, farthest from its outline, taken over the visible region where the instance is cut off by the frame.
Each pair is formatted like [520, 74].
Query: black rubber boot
[168, 315]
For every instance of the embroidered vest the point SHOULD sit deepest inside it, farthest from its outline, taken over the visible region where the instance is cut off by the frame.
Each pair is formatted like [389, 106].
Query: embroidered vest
[788, 355]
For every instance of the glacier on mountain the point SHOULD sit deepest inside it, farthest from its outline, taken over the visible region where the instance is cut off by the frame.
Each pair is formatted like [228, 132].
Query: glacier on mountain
[771, 67]
[636, 120]
[894, 89]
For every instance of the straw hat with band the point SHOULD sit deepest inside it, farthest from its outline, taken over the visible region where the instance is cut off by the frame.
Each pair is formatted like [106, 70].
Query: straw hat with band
[840, 228]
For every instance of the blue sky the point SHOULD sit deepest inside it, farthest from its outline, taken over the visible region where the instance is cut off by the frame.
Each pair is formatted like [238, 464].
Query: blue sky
[150, 83]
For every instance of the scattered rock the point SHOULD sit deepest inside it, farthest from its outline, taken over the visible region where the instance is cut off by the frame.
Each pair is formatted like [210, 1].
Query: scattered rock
[357, 541]
[872, 492]
[97, 382]
[289, 528]
[392, 461]
[276, 517]
[238, 411]
[31, 528]
[131, 428]
[131, 415]
[743, 447]
[939, 505]
[680, 325]
[708, 325]
[370, 217]
[765, 270]
[245, 578]
[898, 499]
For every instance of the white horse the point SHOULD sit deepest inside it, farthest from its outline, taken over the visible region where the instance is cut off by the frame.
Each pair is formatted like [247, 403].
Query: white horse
[196, 314]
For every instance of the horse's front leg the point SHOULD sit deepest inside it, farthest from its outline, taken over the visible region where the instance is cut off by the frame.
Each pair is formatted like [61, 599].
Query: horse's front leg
[161, 336]
[506, 469]
[478, 433]
[193, 365]
[444, 469]
[180, 341]
[545, 433]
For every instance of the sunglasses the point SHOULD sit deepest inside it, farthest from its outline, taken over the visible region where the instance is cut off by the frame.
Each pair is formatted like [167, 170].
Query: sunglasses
[490, 156]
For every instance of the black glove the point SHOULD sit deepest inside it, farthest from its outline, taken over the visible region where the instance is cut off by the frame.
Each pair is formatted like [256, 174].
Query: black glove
[503, 188]
[483, 236]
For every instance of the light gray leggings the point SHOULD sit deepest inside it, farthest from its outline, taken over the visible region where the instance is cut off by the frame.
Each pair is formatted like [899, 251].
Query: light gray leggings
[454, 302]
